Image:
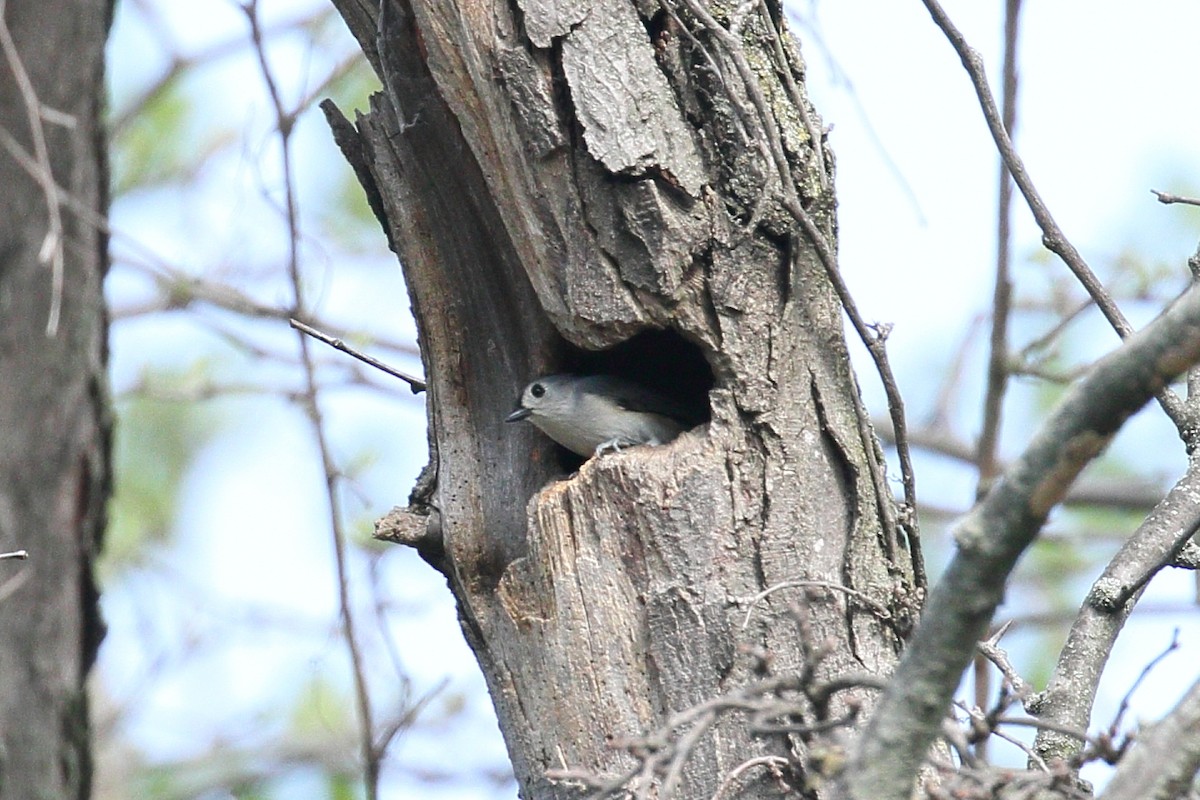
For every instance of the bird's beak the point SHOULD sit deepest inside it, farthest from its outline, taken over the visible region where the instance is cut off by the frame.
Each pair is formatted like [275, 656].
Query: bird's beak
[518, 415]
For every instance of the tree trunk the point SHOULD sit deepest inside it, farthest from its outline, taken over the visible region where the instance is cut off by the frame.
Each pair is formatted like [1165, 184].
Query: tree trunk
[54, 430]
[585, 186]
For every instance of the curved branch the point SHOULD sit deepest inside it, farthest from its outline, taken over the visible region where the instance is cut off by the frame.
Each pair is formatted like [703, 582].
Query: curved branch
[1052, 235]
[1072, 689]
[994, 535]
[1120, 491]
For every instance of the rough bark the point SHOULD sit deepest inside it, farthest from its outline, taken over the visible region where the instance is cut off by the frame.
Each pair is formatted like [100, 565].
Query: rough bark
[53, 423]
[560, 178]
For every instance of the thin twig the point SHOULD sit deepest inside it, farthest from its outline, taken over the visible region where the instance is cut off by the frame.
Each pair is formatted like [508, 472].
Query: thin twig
[1044, 341]
[1146, 670]
[1163, 765]
[951, 387]
[1060, 377]
[52, 250]
[285, 122]
[998, 372]
[1030, 754]
[997, 655]
[872, 336]
[1052, 235]
[880, 610]
[998, 359]
[415, 384]
[774, 764]
[1044, 725]
[797, 99]
[666, 750]
[15, 554]
[1167, 198]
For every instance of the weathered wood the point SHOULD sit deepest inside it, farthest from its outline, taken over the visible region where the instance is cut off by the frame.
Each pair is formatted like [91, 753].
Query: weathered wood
[555, 182]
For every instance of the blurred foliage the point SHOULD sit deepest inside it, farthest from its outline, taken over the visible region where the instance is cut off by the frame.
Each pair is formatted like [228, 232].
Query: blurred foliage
[154, 444]
[352, 88]
[362, 534]
[321, 711]
[349, 221]
[162, 144]
[341, 787]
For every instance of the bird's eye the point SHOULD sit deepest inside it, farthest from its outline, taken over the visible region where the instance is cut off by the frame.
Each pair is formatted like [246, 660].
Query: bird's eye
[537, 390]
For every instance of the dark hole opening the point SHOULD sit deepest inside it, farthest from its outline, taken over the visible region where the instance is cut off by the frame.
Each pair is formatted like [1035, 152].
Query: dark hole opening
[657, 359]
[660, 360]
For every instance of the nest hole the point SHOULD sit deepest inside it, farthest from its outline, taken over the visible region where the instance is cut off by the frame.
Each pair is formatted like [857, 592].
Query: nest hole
[661, 360]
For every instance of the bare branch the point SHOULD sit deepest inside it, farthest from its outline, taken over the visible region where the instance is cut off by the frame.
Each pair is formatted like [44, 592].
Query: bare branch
[284, 123]
[1044, 341]
[1164, 763]
[52, 251]
[998, 372]
[1071, 690]
[995, 534]
[666, 750]
[1146, 670]
[997, 655]
[1167, 199]
[774, 764]
[1168, 559]
[880, 610]
[1052, 235]
[415, 384]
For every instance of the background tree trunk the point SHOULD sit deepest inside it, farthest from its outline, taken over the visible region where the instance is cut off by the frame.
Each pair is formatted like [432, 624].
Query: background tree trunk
[54, 429]
[562, 178]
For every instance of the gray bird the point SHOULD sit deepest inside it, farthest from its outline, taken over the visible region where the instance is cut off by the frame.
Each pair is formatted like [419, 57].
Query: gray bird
[593, 413]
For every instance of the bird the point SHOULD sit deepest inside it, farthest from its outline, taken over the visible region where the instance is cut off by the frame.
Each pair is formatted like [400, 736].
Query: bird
[590, 414]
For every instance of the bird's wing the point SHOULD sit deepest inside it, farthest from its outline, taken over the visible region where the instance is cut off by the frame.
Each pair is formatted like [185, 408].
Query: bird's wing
[634, 397]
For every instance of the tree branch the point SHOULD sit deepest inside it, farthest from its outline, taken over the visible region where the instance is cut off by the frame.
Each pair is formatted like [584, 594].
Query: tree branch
[52, 251]
[994, 535]
[285, 125]
[1165, 762]
[416, 385]
[999, 371]
[1123, 492]
[998, 358]
[1166, 198]
[1052, 235]
[1071, 690]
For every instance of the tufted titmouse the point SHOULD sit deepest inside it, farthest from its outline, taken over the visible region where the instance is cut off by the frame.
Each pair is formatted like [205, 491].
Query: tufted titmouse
[593, 413]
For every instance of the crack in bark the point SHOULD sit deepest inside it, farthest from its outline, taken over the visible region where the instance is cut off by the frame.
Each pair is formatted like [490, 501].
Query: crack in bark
[846, 475]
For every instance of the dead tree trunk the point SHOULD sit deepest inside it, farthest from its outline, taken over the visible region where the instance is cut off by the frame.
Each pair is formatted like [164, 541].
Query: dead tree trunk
[53, 403]
[602, 186]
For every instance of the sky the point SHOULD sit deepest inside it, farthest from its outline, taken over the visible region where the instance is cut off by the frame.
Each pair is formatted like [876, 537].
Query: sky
[1107, 113]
